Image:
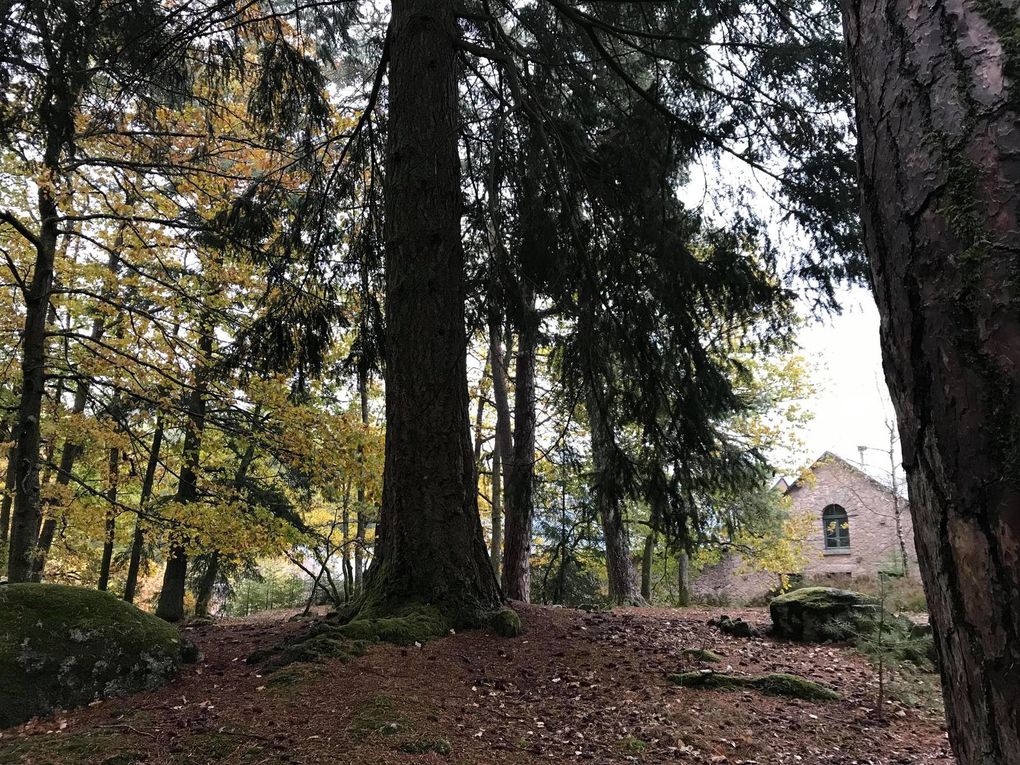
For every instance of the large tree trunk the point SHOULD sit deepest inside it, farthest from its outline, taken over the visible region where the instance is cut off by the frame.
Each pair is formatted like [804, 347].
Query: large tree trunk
[27, 514]
[138, 541]
[937, 88]
[430, 547]
[520, 463]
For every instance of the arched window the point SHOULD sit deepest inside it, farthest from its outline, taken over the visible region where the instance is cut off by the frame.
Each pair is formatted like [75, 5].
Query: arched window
[836, 528]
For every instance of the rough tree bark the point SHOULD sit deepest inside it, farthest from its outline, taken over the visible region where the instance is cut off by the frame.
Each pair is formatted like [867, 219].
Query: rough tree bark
[937, 90]
[430, 548]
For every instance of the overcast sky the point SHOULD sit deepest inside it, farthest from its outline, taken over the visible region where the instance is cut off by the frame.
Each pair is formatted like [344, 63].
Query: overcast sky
[852, 402]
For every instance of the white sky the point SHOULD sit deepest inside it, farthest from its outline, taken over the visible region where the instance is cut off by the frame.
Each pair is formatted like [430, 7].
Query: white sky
[852, 402]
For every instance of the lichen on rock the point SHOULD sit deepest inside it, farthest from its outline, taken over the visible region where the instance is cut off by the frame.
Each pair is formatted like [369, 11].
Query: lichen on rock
[63, 647]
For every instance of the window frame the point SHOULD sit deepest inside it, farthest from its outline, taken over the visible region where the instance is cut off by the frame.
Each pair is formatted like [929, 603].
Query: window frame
[837, 541]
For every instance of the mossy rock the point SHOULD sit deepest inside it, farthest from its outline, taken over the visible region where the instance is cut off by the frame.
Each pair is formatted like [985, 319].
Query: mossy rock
[816, 614]
[774, 684]
[506, 622]
[64, 647]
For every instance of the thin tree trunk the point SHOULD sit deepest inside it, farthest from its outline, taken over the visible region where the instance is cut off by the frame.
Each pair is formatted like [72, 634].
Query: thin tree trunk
[111, 519]
[622, 586]
[683, 579]
[503, 441]
[647, 558]
[937, 90]
[345, 558]
[520, 473]
[138, 541]
[430, 547]
[171, 597]
[362, 515]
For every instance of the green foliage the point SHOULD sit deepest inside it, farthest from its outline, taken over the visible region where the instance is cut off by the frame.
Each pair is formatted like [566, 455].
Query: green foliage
[774, 684]
[272, 588]
[892, 642]
[66, 646]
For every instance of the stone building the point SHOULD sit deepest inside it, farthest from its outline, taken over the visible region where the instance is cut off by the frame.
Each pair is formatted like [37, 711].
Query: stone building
[853, 533]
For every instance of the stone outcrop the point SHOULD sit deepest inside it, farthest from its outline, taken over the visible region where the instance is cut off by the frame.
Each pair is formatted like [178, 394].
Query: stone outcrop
[63, 647]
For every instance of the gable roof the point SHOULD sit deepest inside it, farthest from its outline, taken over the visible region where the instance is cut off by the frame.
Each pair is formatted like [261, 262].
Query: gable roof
[828, 458]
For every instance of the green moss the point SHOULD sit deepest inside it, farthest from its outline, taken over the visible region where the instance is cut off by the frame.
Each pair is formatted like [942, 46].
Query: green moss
[824, 597]
[632, 745]
[66, 646]
[774, 684]
[426, 745]
[506, 622]
[782, 684]
[318, 648]
[816, 614]
[416, 625]
[702, 654]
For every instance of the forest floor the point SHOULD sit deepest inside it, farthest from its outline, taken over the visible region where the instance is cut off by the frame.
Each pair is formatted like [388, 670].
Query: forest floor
[575, 687]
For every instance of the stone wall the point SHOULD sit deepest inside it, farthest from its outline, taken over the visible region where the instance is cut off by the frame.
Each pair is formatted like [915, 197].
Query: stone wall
[732, 581]
[869, 507]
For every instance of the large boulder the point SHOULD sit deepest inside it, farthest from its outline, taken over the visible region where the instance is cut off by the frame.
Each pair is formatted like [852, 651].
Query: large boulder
[815, 614]
[63, 647]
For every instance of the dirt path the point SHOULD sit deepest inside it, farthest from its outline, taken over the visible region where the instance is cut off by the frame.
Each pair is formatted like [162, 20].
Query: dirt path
[578, 687]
